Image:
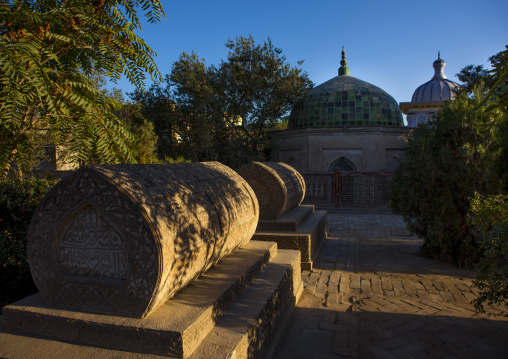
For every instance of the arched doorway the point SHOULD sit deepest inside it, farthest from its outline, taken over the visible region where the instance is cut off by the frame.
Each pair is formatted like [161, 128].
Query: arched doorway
[342, 164]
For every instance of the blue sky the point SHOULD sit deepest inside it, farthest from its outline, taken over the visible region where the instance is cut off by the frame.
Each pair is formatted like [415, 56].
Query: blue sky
[389, 43]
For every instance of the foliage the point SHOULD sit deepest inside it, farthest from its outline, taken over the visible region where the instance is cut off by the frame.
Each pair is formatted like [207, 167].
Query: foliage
[143, 142]
[179, 159]
[490, 216]
[472, 75]
[48, 51]
[156, 106]
[221, 112]
[458, 154]
[18, 201]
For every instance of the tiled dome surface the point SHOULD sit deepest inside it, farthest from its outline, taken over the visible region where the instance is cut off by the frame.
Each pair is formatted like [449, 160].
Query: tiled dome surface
[346, 101]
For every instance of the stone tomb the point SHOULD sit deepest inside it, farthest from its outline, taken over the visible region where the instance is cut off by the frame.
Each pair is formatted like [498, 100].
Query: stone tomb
[122, 256]
[280, 189]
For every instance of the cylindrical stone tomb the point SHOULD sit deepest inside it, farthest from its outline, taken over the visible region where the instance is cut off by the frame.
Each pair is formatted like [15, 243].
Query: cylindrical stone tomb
[122, 239]
[278, 187]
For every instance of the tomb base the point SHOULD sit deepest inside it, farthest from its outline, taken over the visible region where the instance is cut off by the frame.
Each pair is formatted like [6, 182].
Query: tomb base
[234, 310]
[302, 229]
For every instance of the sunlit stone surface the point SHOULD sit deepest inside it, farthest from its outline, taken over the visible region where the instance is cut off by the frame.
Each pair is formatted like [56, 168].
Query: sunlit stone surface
[278, 187]
[122, 239]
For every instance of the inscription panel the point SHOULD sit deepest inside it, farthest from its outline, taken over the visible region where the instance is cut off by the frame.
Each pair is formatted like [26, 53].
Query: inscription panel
[90, 248]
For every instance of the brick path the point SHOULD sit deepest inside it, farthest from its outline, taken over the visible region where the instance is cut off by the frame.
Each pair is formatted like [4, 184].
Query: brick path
[371, 296]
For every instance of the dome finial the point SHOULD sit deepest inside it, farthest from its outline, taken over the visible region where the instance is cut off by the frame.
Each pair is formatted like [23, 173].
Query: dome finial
[439, 66]
[343, 69]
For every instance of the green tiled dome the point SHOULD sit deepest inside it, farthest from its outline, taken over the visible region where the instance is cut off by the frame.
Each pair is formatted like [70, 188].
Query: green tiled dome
[346, 101]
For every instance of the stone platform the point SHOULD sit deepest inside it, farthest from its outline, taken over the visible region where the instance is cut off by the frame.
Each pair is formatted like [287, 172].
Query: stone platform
[234, 310]
[302, 228]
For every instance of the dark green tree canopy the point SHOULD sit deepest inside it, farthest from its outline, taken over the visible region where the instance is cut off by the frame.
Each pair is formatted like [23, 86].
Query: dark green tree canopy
[48, 51]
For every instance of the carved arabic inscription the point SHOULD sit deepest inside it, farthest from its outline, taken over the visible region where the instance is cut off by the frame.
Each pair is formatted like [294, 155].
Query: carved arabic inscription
[91, 248]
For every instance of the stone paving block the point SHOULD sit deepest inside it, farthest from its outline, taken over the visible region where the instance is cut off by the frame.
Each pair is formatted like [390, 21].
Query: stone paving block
[459, 298]
[313, 277]
[354, 284]
[446, 296]
[344, 288]
[398, 288]
[422, 294]
[409, 288]
[429, 287]
[435, 297]
[332, 298]
[344, 278]
[321, 288]
[418, 285]
[413, 302]
[323, 278]
[365, 287]
[334, 277]
[440, 285]
[320, 295]
[376, 288]
[462, 286]
[311, 289]
[469, 296]
[386, 283]
[344, 299]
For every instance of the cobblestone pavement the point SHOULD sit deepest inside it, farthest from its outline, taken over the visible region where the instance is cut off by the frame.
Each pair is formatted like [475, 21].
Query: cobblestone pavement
[370, 295]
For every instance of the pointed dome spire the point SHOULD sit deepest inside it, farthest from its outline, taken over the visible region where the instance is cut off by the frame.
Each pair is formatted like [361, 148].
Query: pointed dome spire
[343, 69]
[439, 66]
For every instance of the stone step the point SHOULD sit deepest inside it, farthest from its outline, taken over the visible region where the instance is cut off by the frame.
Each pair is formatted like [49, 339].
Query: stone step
[291, 221]
[255, 321]
[175, 329]
[306, 239]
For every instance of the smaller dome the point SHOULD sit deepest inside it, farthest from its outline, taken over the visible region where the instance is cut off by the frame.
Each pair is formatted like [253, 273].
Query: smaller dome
[439, 89]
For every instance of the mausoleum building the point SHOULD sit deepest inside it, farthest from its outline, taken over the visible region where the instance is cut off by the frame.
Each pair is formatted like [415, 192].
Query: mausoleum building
[345, 125]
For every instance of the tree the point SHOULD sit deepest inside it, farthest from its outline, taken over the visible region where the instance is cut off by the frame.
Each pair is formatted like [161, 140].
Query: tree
[48, 51]
[490, 216]
[461, 153]
[472, 75]
[222, 112]
[143, 142]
